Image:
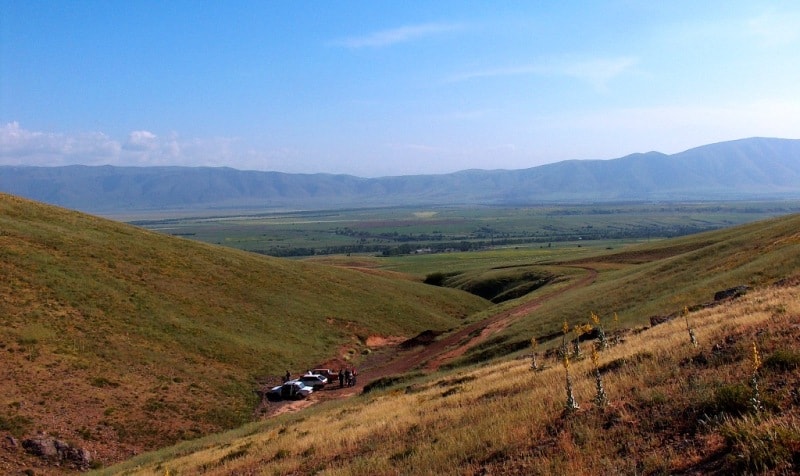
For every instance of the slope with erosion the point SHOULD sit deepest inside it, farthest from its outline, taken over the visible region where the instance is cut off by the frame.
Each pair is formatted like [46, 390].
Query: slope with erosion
[661, 278]
[120, 340]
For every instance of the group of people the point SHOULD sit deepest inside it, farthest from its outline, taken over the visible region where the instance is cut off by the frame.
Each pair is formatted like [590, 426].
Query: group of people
[347, 377]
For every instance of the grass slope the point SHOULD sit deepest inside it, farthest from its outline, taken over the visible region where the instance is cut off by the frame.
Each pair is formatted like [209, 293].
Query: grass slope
[661, 278]
[672, 408]
[120, 339]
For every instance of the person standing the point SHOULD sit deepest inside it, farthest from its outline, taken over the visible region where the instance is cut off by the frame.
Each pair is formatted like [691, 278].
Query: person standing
[341, 378]
[287, 377]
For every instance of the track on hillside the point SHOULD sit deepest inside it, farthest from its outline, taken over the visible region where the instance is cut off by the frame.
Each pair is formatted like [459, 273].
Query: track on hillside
[393, 360]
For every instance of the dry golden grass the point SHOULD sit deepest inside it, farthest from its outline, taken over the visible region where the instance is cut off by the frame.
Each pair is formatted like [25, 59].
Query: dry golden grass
[670, 411]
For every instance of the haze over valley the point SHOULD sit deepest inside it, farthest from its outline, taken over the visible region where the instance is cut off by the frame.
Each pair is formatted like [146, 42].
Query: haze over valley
[747, 169]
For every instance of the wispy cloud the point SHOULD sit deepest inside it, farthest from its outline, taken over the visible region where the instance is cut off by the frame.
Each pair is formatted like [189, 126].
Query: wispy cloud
[598, 72]
[403, 34]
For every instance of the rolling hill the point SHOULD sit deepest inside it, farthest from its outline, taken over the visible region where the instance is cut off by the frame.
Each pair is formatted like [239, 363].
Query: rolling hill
[678, 397]
[121, 339]
[756, 168]
[659, 279]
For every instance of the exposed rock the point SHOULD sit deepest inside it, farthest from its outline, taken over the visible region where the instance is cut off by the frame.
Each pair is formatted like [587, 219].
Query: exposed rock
[57, 451]
[656, 320]
[42, 446]
[731, 293]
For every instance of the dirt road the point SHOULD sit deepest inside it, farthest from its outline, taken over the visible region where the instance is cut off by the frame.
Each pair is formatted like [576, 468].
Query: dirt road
[392, 360]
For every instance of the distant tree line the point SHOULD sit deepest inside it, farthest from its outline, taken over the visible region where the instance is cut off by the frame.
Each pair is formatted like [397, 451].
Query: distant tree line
[397, 244]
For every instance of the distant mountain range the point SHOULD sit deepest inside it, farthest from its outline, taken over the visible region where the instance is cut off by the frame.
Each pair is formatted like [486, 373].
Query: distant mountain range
[756, 168]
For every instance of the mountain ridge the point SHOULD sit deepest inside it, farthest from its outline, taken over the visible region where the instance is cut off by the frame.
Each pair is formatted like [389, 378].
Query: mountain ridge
[754, 168]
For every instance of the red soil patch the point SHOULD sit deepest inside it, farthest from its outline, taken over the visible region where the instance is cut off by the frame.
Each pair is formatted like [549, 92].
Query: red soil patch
[381, 341]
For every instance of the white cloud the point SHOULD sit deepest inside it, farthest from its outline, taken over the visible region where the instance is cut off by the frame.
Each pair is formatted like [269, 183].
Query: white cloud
[142, 140]
[394, 36]
[598, 71]
[20, 146]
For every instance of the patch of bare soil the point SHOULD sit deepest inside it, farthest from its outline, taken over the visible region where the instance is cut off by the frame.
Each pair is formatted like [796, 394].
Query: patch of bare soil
[381, 341]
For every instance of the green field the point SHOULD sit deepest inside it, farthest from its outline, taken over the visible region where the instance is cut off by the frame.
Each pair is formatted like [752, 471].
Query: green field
[404, 231]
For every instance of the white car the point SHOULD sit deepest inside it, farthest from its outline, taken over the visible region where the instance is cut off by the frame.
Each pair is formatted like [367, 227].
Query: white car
[291, 390]
[315, 381]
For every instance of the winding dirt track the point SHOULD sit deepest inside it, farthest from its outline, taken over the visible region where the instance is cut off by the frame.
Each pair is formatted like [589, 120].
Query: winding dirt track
[396, 361]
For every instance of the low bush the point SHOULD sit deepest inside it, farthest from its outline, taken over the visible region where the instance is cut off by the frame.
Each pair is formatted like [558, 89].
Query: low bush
[733, 400]
[782, 360]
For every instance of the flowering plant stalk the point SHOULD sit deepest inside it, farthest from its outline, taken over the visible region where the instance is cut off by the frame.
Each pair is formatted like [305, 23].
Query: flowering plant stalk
[601, 334]
[534, 364]
[755, 398]
[692, 337]
[600, 398]
[571, 404]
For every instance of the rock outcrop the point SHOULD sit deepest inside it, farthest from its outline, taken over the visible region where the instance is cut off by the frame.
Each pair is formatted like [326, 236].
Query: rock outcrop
[57, 451]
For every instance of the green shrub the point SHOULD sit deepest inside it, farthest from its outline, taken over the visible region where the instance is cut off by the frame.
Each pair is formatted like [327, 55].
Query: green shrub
[732, 400]
[17, 425]
[435, 279]
[782, 360]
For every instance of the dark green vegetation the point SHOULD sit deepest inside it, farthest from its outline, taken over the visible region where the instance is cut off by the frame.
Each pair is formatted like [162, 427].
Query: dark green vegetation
[751, 169]
[496, 285]
[143, 339]
[403, 231]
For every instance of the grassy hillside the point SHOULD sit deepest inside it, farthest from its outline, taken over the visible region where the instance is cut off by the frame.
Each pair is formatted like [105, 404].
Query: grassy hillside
[673, 407]
[661, 278]
[670, 408]
[121, 339]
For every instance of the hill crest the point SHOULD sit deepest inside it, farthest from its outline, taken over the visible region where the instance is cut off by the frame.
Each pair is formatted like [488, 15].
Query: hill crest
[754, 168]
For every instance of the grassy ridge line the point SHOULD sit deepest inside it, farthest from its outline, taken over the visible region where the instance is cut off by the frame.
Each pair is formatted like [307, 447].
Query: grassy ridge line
[673, 409]
[102, 316]
[663, 277]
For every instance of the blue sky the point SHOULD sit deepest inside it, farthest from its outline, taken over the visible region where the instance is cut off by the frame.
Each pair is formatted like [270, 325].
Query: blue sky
[389, 88]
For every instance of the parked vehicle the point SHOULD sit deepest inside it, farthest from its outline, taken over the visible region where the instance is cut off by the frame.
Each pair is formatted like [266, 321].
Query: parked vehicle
[291, 390]
[315, 381]
[327, 373]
